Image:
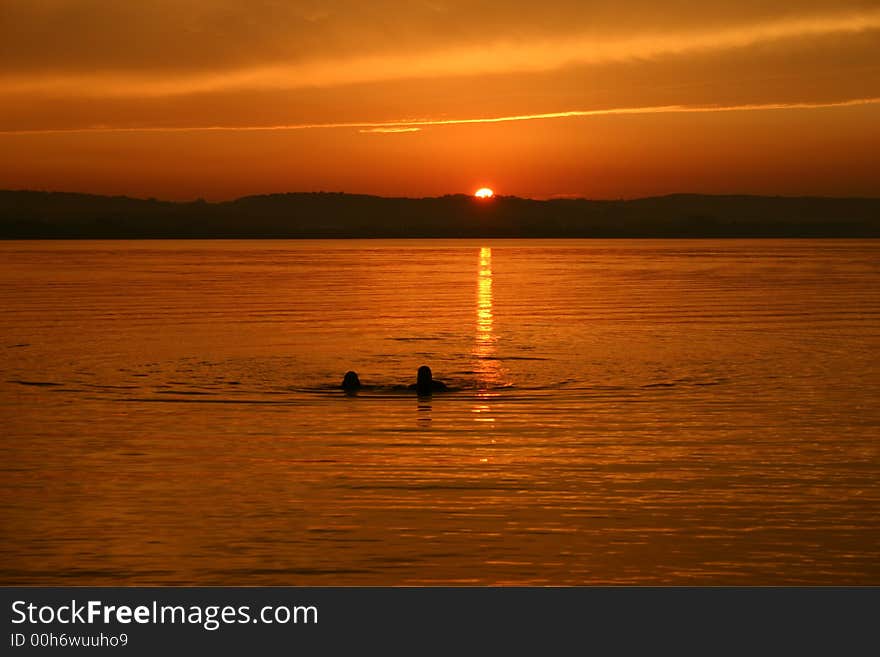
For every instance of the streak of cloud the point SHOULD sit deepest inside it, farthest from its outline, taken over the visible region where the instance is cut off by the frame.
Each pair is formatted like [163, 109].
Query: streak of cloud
[389, 130]
[417, 125]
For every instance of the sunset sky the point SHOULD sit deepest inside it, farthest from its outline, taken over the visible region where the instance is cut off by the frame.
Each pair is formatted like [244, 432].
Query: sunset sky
[609, 98]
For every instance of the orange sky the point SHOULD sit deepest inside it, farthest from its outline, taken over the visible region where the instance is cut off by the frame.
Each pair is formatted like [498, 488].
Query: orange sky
[604, 99]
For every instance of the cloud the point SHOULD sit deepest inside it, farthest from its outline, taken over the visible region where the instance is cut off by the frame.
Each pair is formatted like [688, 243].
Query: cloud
[416, 125]
[389, 130]
[501, 55]
[203, 35]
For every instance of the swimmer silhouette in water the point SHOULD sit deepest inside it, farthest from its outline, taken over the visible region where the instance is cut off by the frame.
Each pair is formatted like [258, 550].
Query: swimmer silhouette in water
[351, 382]
[425, 383]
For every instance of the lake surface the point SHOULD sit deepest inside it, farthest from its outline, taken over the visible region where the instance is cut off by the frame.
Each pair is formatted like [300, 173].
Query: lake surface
[622, 412]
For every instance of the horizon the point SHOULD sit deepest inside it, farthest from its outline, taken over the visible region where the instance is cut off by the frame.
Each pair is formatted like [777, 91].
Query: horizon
[553, 100]
[42, 215]
[470, 195]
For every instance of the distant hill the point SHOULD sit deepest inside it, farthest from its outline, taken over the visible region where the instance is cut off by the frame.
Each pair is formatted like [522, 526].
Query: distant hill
[36, 215]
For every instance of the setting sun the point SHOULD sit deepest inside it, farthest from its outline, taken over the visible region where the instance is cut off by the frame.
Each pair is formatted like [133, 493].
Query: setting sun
[484, 192]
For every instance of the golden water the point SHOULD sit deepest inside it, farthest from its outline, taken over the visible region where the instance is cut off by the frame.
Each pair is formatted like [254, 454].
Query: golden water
[651, 412]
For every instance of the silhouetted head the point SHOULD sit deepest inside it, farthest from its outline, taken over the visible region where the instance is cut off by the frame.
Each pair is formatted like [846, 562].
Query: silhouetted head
[424, 377]
[351, 381]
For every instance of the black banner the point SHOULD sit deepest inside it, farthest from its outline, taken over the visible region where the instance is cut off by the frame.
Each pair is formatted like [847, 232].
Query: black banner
[416, 620]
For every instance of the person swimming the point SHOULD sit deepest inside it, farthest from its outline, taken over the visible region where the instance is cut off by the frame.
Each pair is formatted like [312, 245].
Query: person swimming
[425, 383]
[350, 381]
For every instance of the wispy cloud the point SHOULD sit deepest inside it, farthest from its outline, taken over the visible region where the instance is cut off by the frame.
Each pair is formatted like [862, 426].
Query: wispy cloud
[490, 58]
[418, 124]
[389, 130]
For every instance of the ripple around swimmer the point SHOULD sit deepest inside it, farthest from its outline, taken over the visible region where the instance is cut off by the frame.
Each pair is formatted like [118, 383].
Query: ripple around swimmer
[565, 391]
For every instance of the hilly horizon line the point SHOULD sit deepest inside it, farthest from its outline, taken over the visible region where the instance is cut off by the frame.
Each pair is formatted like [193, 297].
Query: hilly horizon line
[29, 214]
[496, 197]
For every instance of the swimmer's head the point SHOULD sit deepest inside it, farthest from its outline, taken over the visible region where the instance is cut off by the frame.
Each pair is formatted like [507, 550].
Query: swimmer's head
[351, 381]
[424, 377]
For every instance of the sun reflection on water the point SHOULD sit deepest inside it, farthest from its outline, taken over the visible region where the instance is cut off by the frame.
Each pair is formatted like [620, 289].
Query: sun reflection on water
[487, 367]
